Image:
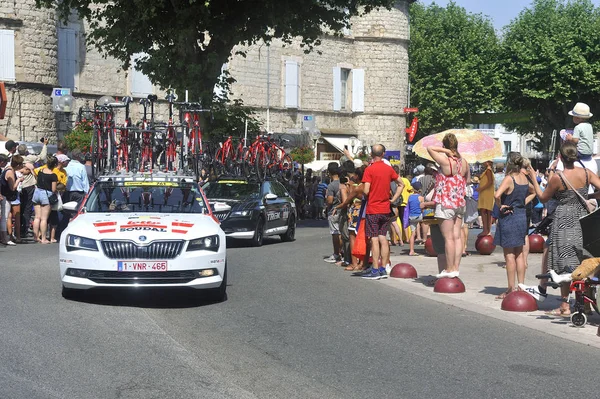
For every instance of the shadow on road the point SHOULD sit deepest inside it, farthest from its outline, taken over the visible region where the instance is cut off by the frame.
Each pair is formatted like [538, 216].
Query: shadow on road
[151, 298]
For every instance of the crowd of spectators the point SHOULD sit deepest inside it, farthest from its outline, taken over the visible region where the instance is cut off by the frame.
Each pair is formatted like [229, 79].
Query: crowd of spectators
[33, 189]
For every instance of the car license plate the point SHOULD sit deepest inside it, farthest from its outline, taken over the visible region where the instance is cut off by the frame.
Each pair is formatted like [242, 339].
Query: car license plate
[137, 266]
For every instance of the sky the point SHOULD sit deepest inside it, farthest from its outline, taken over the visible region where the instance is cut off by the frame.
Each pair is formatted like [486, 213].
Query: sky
[500, 11]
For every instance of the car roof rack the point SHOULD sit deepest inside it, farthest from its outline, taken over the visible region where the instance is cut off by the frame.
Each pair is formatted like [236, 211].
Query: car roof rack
[147, 177]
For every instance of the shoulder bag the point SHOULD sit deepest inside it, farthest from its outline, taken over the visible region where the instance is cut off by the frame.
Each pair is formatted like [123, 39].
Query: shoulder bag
[589, 205]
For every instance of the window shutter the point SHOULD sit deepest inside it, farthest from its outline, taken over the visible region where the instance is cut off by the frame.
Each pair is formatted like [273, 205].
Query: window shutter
[140, 83]
[218, 90]
[7, 52]
[337, 88]
[358, 90]
[68, 49]
[291, 84]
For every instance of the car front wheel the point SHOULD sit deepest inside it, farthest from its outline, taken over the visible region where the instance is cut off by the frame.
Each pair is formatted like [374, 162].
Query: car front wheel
[218, 295]
[259, 233]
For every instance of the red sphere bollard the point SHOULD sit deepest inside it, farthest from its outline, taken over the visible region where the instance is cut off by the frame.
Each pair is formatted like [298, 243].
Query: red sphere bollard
[486, 245]
[403, 270]
[536, 244]
[429, 247]
[446, 285]
[519, 301]
[477, 241]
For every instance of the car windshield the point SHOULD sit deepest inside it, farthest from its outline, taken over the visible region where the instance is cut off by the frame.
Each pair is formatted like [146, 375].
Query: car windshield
[232, 189]
[146, 197]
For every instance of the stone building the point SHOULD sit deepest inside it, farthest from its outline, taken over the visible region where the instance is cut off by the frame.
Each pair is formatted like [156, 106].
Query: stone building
[355, 85]
[37, 54]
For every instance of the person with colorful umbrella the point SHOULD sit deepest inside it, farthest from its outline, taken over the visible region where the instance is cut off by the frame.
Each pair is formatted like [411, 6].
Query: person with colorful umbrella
[449, 198]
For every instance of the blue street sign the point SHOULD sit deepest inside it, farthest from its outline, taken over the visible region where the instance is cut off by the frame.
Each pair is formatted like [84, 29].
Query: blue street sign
[308, 117]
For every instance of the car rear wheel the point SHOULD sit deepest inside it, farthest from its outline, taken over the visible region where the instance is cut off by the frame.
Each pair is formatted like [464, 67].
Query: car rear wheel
[259, 233]
[290, 234]
[218, 295]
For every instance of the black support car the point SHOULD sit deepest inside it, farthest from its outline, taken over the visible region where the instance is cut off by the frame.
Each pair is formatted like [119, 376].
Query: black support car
[258, 209]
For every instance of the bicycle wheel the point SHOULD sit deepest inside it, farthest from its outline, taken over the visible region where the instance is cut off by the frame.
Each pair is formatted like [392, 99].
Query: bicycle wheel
[261, 165]
[134, 158]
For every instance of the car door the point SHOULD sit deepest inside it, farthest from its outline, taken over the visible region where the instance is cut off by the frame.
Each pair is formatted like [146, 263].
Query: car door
[285, 202]
[272, 208]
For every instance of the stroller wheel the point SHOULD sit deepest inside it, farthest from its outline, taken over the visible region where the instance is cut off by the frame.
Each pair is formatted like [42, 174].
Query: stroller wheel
[579, 319]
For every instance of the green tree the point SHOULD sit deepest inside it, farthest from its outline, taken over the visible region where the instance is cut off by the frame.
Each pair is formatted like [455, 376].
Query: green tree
[551, 60]
[186, 42]
[453, 65]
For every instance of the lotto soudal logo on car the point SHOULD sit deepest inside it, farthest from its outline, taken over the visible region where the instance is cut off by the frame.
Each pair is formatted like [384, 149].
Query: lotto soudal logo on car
[181, 227]
[144, 225]
[106, 227]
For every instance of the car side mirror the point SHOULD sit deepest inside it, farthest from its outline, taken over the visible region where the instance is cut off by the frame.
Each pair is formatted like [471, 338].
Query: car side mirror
[71, 206]
[270, 197]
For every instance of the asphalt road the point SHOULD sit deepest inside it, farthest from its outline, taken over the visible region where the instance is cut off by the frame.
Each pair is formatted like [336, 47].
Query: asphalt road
[292, 327]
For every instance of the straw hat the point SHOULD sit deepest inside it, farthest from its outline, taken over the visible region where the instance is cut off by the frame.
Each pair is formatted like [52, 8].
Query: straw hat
[581, 110]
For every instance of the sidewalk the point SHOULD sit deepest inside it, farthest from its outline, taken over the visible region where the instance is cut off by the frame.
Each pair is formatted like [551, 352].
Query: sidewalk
[485, 278]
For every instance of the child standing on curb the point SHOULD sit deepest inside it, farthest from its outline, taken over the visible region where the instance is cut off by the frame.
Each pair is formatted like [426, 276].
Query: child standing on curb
[415, 214]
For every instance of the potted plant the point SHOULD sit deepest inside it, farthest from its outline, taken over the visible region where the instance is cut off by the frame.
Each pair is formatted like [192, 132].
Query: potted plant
[303, 154]
[80, 137]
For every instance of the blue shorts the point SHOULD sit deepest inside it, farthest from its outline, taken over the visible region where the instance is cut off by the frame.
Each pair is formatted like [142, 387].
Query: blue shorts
[40, 197]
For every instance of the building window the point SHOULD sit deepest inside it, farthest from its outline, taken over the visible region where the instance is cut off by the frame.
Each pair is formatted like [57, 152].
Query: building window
[292, 84]
[529, 147]
[140, 83]
[507, 147]
[68, 59]
[7, 58]
[344, 75]
[341, 77]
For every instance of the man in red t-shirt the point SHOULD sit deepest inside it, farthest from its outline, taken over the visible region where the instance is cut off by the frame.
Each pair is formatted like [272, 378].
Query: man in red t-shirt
[377, 179]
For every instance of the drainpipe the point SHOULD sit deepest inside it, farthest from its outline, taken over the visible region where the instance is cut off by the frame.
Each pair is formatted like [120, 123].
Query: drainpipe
[268, 87]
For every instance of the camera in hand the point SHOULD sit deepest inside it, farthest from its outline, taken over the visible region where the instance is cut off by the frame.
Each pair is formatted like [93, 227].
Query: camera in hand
[42, 140]
[507, 210]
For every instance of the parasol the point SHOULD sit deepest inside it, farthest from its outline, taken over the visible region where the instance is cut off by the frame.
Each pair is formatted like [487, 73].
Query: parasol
[473, 145]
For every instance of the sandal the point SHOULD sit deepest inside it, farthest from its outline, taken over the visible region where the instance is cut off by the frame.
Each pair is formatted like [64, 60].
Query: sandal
[504, 294]
[558, 312]
[413, 254]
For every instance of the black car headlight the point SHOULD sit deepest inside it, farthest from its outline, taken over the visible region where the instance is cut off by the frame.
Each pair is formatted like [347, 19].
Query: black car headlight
[75, 243]
[242, 214]
[210, 243]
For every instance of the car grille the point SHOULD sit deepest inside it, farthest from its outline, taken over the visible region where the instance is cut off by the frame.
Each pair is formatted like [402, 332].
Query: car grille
[112, 277]
[221, 215]
[123, 250]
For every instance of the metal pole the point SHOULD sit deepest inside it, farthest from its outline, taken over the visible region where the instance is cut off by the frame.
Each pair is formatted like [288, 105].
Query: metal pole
[246, 133]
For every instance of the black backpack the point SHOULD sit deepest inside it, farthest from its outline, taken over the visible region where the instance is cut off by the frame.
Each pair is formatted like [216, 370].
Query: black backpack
[9, 194]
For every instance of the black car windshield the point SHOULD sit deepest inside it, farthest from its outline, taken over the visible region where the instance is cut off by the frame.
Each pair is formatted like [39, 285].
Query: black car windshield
[146, 197]
[232, 189]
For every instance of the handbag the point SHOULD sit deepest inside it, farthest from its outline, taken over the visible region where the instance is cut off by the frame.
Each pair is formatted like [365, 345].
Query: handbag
[52, 198]
[360, 244]
[58, 206]
[589, 205]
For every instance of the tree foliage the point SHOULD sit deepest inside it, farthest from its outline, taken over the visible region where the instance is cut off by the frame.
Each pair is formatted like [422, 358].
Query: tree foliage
[453, 65]
[550, 61]
[186, 42]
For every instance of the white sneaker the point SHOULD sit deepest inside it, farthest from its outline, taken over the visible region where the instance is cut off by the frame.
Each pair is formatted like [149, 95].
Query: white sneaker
[388, 268]
[534, 291]
[560, 278]
[444, 273]
[11, 243]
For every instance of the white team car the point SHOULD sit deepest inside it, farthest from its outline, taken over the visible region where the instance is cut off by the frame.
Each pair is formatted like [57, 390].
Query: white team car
[153, 230]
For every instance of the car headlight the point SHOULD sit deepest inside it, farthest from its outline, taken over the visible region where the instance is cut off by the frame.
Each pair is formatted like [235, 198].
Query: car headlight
[241, 213]
[75, 243]
[210, 243]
